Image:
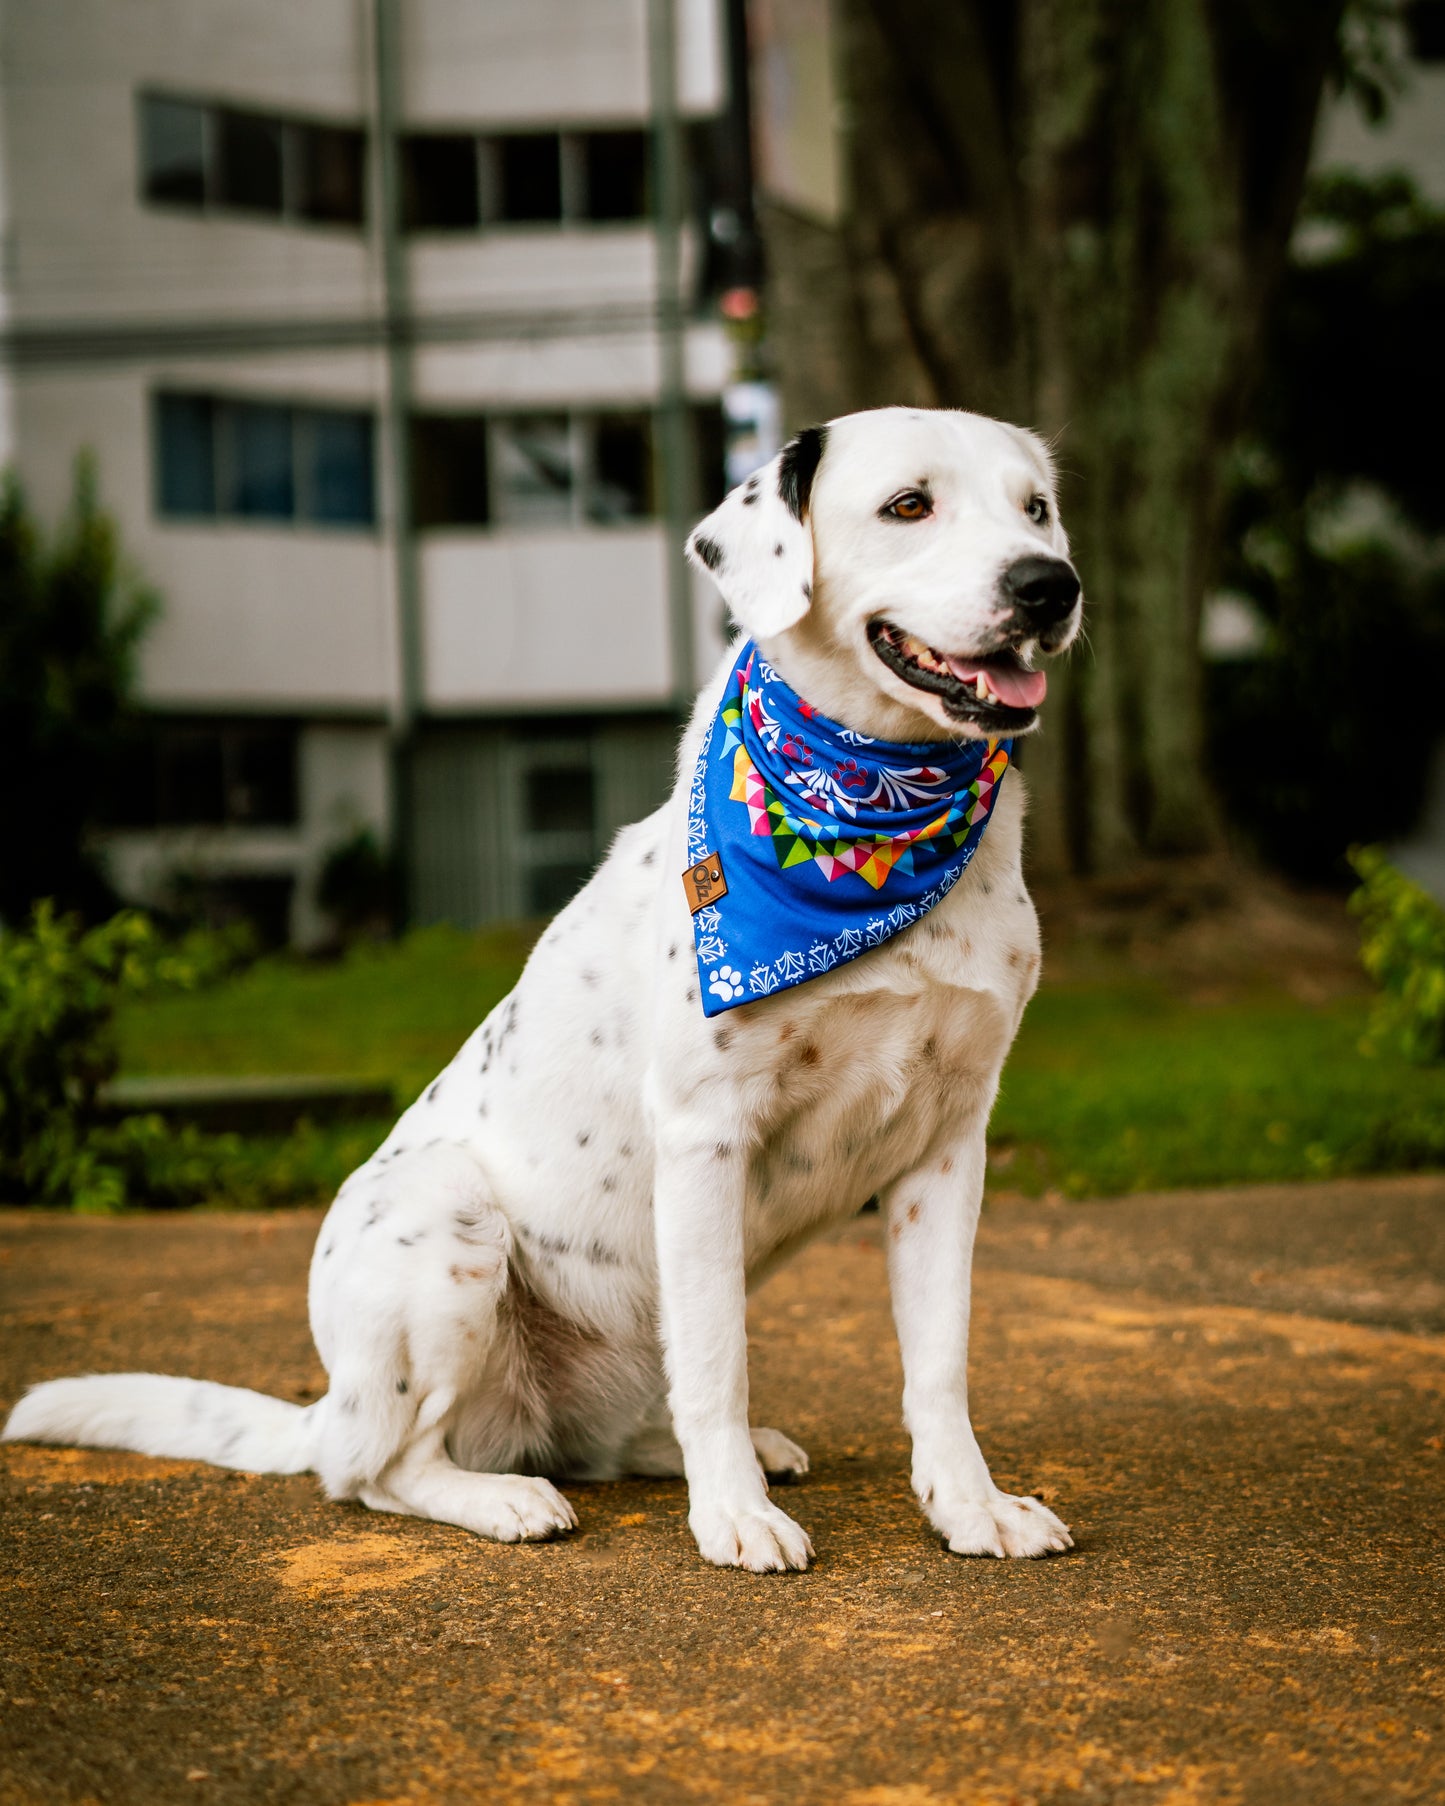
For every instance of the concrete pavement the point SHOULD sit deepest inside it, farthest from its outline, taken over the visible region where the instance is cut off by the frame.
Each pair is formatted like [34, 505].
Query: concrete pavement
[1234, 1398]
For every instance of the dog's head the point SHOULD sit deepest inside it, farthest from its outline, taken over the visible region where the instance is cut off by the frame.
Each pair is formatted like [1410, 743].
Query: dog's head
[905, 569]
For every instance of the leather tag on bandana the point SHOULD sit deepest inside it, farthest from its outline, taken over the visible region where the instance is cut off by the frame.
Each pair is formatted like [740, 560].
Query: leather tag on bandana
[704, 882]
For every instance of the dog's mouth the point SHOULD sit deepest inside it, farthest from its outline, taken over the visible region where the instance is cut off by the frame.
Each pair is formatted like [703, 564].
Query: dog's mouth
[999, 693]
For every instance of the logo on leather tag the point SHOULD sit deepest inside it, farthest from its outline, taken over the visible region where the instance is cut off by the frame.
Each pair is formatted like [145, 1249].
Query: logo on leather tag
[704, 882]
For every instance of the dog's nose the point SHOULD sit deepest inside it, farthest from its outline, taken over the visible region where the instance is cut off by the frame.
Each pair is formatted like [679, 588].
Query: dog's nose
[1044, 590]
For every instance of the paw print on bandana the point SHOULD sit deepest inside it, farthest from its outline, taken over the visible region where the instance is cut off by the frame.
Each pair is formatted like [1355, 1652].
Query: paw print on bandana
[726, 983]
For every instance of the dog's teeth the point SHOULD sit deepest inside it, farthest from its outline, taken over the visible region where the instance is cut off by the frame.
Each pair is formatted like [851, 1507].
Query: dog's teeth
[982, 688]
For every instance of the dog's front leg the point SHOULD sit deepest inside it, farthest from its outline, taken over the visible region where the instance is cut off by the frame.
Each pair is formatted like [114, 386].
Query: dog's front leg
[932, 1214]
[700, 1199]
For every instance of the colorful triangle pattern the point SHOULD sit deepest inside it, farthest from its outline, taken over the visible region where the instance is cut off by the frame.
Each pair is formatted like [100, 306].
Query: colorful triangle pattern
[796, 839]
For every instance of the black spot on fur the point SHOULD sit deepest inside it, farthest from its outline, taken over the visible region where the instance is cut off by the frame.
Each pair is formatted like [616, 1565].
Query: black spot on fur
[672, 951]
[626, 1150]
[649, 856]
[798, 466]
[509, 1023]
[691, 994]
[548, 1244]
[328, 1251]
[583, 1137]
[431, 1096]
[807, 592]
[722, 1037]
[401, 1386]
[609, 1182]
[351, 1404]
[777, 551]
[987, 888]
[723, 1151]
[750, 496]
[596, 1037]
[708, 550]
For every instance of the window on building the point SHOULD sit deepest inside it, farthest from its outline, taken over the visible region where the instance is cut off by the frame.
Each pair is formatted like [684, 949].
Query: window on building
[439, 182]
[616, 172]
[257, 460]
[709, 438]
[329, 171]
[449, 470]
[173, 152]
[532, 470]
[221, 458]
[554, 842]
[534, 477]
[621, 485]
[185, 455]
[336, 467]
[205, 774]
[232, 159]
[529, 177]
[248, 174]
[559, 798]
[459, 181]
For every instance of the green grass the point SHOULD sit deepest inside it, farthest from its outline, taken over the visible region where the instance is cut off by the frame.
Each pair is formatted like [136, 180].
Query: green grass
[392, 1012]
[1127, 1086]
[1115, 1084]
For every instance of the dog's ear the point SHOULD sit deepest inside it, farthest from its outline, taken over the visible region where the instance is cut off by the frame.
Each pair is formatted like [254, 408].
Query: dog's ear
[757, 544]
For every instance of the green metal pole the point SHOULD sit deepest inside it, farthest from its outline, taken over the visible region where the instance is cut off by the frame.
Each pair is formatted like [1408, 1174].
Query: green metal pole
[669, 206]
[407, 703]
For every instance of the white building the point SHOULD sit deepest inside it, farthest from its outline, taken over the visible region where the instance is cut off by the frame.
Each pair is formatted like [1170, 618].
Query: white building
[199, 286]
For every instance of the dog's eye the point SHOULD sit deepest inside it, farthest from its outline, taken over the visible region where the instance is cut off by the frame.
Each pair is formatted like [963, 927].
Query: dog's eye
[1037, 510]
[913, 504]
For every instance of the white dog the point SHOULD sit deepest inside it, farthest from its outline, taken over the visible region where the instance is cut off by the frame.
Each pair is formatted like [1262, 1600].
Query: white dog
[545, 1265]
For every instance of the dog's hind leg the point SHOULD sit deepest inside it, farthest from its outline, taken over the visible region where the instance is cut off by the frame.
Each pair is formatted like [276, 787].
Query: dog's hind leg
[407, 1292]
[655, 1452]
[425, 1482]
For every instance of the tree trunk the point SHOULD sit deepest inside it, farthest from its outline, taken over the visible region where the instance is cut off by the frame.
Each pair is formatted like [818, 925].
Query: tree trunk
[1072, 214]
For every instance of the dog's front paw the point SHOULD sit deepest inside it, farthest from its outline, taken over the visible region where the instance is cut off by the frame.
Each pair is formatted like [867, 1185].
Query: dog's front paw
[757, 1537]
[524, 1509]
[995, 1523]
[779, 1458]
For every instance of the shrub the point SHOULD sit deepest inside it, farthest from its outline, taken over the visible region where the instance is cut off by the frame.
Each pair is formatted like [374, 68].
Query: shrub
[1403, 949]
[72, 614]
[60, 985]
[360, 886]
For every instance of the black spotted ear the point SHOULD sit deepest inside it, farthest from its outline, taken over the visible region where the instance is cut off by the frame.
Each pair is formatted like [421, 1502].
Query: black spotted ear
[757, 544]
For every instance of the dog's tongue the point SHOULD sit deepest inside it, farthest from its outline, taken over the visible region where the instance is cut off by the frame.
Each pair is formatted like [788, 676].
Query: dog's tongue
[1008, 680]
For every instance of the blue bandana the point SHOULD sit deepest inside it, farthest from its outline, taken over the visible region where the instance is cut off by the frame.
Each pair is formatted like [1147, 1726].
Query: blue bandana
[811, 844]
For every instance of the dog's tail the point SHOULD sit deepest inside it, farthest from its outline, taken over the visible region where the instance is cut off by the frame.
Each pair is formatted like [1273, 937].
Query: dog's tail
[189, 1420]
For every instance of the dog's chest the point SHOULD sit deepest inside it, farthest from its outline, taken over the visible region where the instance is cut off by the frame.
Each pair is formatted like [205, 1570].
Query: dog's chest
[864, 1083]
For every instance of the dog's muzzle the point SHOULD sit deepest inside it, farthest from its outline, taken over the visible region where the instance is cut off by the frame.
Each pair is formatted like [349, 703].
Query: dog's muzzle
[1041, 593]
